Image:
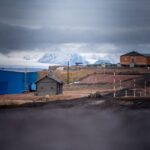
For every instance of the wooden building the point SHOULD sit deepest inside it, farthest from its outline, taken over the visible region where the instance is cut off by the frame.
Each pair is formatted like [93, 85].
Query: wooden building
[134, 59]
[49, 85]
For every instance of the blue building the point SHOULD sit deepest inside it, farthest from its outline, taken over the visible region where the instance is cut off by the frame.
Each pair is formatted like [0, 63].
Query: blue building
[12, 82]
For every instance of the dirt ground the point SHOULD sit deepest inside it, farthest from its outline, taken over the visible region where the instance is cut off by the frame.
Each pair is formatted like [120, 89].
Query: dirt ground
[17, 99]
[98, 78]
[89, 84]
[84, 124]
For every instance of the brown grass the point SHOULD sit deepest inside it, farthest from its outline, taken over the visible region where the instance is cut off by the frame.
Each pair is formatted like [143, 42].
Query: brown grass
[74, 75]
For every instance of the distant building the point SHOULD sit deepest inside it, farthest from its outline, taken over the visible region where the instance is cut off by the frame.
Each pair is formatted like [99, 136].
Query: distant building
[118, 65]
[52, 68]
[60, 68]
[13, 82]
[49, 85]
[79, 64]
[133, 59]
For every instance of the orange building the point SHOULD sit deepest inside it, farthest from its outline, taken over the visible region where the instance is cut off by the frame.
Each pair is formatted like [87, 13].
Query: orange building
[135, 59]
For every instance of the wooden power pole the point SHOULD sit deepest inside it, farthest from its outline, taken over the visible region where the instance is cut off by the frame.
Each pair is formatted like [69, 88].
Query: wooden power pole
[68, 77]
[114, 83]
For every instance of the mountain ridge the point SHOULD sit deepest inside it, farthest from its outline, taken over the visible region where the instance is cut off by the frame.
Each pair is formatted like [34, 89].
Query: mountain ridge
[72, 58]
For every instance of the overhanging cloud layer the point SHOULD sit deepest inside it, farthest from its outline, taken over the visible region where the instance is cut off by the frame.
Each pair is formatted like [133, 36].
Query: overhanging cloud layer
[35, 24]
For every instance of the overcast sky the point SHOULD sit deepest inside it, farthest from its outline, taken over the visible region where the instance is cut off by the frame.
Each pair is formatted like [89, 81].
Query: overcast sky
[87, 26]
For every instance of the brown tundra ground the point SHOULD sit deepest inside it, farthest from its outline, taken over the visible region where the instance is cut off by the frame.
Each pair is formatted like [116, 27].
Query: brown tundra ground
[84, 82]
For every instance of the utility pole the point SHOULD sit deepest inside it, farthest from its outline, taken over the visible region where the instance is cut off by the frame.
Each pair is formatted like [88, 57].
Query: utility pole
[104, 70]
[120, 84]
[134, 87]
[114, 84]
[68, 77]
[25, 80]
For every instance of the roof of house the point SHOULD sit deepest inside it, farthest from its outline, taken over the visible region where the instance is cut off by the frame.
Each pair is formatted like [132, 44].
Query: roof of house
[134, 53]
[51, 77]
[147, 55]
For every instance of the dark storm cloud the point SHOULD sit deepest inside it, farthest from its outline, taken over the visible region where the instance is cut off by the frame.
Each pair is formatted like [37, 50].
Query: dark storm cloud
[32, 24]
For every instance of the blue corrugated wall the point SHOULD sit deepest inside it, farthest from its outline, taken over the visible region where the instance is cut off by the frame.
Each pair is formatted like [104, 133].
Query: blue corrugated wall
[31, 79]
[14, 82]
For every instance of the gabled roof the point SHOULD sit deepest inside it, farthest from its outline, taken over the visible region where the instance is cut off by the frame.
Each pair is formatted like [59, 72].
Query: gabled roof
[134, 53]
[50, 77]
[146, 55]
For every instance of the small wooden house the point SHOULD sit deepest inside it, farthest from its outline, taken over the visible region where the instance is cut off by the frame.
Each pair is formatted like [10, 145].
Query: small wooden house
[135, 59]
[49, 85]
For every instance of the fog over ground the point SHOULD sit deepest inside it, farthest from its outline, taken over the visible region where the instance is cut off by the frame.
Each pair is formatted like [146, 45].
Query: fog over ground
[45, 128]
[97, 26]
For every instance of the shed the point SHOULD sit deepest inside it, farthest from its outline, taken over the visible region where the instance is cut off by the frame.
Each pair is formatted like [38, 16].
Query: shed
[49, 85]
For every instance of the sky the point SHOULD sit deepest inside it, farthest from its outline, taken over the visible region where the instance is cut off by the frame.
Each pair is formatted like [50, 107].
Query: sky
[35, 27]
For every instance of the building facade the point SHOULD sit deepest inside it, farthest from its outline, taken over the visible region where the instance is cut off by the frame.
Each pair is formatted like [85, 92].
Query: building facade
[133, 59]
[12, 82]
[49, 85]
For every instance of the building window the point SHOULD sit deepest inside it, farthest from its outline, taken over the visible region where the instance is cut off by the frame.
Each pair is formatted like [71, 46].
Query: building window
[133, 60]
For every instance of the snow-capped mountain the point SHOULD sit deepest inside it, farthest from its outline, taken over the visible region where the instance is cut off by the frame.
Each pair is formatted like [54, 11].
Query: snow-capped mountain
[45, 59]
[75, 58]
[48, 58]
[61, 59]
[25, 56]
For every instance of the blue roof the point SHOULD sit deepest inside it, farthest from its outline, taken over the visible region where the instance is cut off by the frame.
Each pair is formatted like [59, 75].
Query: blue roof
[20, 69]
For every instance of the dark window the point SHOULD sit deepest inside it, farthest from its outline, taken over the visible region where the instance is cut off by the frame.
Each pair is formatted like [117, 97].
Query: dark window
[133, 60]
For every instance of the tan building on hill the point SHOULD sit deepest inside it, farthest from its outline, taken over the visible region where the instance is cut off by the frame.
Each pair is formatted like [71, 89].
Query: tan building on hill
[133, 59]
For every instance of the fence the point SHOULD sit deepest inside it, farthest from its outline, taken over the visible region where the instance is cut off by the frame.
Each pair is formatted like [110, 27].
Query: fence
[133, 91]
